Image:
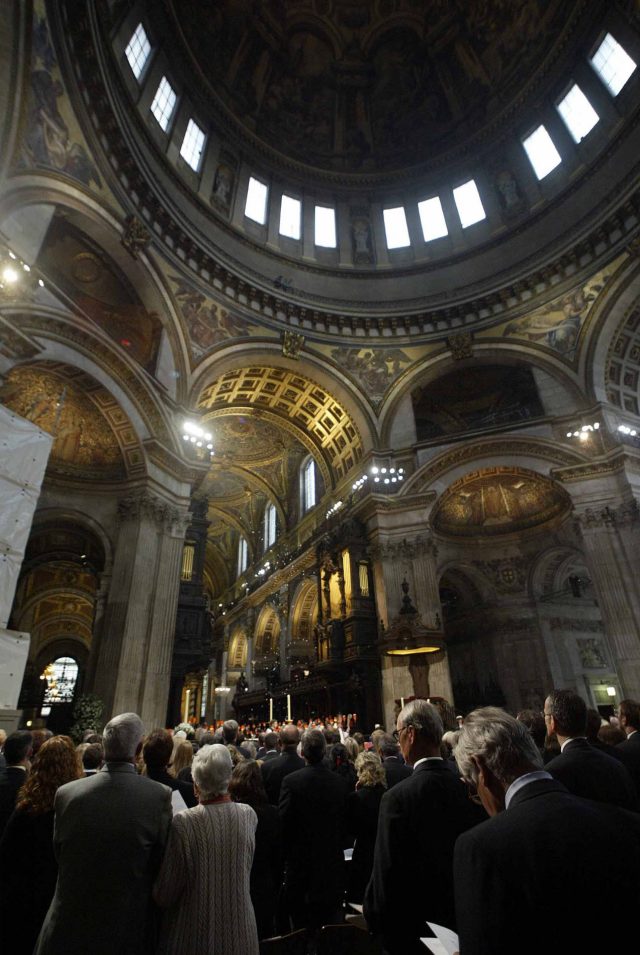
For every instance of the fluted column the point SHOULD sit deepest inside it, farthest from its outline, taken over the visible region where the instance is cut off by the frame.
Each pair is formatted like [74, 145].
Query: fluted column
[611, 539]
[100, 606]
[139, 623]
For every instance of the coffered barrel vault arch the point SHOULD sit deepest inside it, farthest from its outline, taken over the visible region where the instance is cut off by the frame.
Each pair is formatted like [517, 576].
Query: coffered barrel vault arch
[298, 402]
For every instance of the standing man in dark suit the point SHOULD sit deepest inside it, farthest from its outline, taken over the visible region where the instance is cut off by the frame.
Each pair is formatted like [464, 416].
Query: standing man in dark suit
[313, 804]
[420, 820]
[629, 749]
[17, 752]
[274, 770]
[109, 836]
[270, 747]
[524, 877]
[395, 770]
[584, 770]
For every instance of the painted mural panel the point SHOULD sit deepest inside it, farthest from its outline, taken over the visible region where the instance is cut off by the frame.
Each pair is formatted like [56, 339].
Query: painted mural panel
[52, 139]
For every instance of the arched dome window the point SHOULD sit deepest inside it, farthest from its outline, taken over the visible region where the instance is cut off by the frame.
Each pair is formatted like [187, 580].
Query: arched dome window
[270, 526]
[243, 555]
[308, 484]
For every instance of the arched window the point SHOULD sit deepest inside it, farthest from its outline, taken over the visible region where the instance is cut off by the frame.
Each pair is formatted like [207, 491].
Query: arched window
[308, 485]
[61, 677]
[270, 526]
[243, 555]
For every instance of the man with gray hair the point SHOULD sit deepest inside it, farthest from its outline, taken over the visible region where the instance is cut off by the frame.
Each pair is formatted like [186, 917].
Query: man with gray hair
[523, 877]
[419, 822]
[109, 837]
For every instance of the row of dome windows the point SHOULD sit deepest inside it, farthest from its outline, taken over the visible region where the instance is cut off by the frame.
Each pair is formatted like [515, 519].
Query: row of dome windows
[610, 61]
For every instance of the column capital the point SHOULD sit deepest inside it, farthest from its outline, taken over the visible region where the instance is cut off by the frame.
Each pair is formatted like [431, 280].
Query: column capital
[625, 513]
[146, 504]
[418, 546]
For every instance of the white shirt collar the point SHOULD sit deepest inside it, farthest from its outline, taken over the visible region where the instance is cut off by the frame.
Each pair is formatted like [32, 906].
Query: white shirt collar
[426, 759]
[569, 740]
[523, 781]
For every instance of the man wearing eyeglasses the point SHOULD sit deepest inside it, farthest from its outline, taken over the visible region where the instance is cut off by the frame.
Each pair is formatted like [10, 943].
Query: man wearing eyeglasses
[419, 822]
[525, 878]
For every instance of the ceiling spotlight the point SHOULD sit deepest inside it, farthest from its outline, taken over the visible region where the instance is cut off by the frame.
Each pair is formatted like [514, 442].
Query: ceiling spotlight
[374, 470]
[386, 480]
[40, 283]
[9, 275]
[376, 480]
[383, 470]
[569, 434]
[26, 267]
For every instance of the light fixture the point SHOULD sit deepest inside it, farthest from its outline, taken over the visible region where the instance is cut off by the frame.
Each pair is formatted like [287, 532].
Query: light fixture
[13, 281]
[583, 432]
[611, 691]
[194, 434]
[625, 429]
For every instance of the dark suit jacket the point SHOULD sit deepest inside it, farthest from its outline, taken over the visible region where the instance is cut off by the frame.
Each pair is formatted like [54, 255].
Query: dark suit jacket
[109, 836]
[11, 780]
[313, 815]
[28, 873]
[524, 878]
[275, 770]
[363, 809]
[420, 820]
[629, 751]
[395, 770]
[589, 773]
[185, 789]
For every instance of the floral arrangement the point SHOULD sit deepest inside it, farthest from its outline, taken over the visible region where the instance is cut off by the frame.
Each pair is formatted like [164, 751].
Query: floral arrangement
[87, 713]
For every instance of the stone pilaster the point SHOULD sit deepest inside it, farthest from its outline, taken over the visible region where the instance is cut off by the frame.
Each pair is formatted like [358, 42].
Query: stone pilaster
[134, 664]
[611, 541]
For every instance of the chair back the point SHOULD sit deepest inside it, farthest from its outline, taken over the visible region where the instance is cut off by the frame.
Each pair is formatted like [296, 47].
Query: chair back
[293, 944]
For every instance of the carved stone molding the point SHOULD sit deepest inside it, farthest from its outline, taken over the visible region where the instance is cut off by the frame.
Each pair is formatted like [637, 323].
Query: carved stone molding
[544, 450]
[136, 236]
[292, 343]
[625, 514]
[461, 345]
[68, 331]
[407, 548]
[508, 575]
[147, 505]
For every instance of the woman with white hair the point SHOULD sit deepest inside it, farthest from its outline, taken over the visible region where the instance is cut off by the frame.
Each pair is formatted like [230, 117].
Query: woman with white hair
[204, 880]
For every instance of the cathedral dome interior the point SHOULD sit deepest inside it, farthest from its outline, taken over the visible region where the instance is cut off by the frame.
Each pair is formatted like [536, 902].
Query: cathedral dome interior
[328, 311]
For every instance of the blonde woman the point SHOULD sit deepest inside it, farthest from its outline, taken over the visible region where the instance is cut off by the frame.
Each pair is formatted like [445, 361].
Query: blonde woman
[181, 757]
[363, 807]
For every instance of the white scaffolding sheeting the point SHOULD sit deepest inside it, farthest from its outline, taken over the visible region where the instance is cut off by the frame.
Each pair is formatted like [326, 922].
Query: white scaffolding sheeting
[24, 452]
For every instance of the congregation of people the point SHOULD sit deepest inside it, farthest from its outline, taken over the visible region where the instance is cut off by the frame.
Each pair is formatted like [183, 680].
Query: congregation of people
[506, 830]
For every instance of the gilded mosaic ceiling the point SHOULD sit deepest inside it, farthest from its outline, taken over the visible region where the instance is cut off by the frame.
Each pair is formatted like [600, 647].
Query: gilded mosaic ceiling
[363, 85]
[76, 410]
[498, 500]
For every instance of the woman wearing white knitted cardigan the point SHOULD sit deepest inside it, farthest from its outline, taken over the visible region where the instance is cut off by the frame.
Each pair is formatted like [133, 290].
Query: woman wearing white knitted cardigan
[203, 884]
